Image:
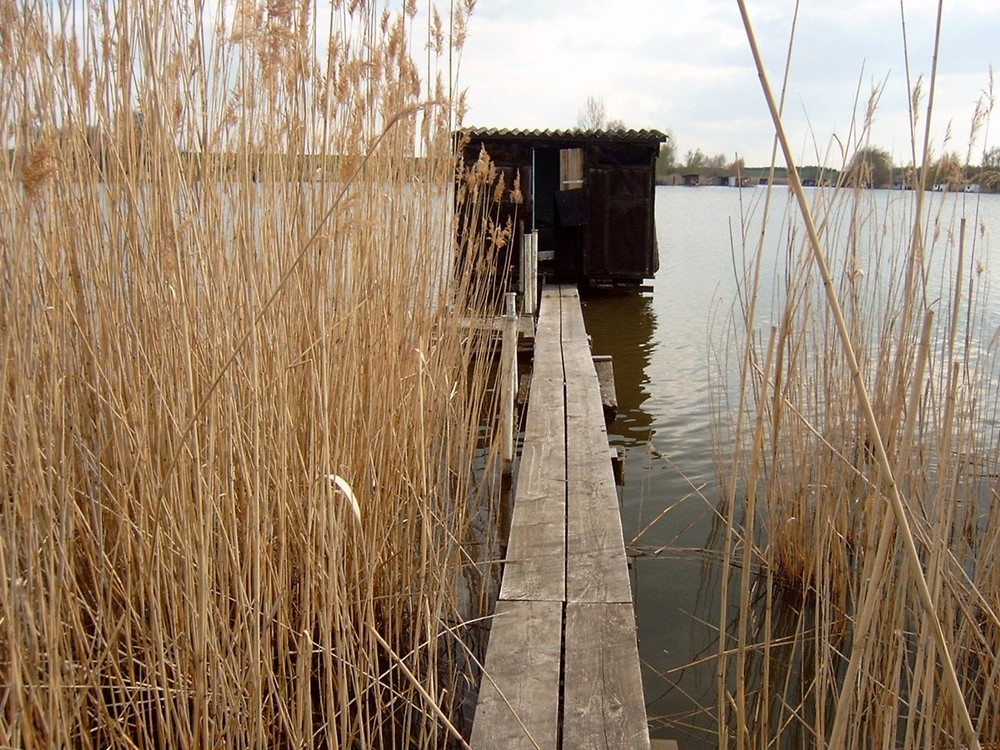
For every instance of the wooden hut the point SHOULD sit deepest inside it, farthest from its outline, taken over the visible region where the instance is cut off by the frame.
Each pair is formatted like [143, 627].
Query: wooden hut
[589, 195]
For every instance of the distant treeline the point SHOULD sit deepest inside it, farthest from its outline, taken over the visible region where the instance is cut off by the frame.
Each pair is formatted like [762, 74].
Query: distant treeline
[869, 168]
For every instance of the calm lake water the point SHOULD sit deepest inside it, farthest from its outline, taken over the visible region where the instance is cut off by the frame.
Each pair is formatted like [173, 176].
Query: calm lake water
[662, 348]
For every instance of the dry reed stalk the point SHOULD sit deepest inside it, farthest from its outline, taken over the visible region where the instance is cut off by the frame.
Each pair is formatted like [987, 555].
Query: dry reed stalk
[749, 310]
[820, 487]
[228, 277]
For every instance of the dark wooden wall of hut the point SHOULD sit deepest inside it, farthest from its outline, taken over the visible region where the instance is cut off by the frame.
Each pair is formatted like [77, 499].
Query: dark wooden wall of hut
[602, 232]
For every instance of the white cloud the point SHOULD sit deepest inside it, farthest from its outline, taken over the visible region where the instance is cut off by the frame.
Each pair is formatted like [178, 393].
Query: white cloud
[686, 66]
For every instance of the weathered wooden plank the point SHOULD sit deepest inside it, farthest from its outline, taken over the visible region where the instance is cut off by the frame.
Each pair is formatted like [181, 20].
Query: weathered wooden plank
[536, 550]
[546, 418]
[603, 703]
[547, 365]
[597, 568]
[567, 290]
[573, 332]
[549, 323]
[518, 704]
[547, 361]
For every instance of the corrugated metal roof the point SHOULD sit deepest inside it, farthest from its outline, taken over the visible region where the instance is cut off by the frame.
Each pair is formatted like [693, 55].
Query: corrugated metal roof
[575, 134]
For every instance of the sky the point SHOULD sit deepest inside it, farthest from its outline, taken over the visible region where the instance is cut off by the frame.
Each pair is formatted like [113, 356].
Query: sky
[685, 67]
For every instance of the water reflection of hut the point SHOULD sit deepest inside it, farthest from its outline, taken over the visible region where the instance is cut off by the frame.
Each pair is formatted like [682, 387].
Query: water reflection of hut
[588, 193]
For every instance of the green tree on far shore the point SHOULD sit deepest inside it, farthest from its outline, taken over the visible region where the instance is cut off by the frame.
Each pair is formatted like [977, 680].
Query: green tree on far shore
[991, 158]
[870, 167]
[666, 161]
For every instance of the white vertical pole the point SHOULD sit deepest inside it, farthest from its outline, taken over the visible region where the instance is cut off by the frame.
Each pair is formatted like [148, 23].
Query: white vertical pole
[508, 384]
[508, 390]
[534, 272]
[524, 277]
[529, 272]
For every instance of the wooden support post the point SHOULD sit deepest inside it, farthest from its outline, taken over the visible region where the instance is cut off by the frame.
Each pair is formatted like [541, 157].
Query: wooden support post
[606, 379]
[508, 404]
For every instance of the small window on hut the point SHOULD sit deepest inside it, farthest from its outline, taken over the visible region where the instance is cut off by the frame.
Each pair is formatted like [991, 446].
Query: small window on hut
[571, 169]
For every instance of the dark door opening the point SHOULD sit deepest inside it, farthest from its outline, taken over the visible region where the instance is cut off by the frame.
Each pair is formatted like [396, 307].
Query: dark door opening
[561, 210]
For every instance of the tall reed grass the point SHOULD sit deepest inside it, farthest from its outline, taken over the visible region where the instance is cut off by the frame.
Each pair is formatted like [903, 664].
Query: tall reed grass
[239, 416]
[827, 637]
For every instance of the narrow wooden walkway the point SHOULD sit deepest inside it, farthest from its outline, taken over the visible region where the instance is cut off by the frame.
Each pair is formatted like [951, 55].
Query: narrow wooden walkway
[562, 667]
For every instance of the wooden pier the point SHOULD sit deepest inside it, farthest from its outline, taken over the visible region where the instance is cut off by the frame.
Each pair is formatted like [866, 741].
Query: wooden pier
[562, 666]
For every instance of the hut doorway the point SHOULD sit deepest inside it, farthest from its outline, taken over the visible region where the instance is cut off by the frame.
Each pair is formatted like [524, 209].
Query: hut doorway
[561, 210]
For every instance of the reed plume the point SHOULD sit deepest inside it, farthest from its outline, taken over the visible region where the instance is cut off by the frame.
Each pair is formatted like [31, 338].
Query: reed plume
[240, 442]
